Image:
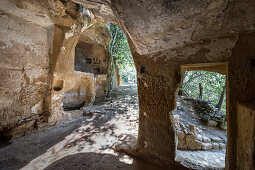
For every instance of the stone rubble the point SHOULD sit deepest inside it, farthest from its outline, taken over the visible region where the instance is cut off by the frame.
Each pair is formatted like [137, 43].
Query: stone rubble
[189, 138]
[210, 115]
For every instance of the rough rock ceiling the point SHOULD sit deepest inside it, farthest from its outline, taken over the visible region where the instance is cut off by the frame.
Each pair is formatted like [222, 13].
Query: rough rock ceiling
[157, 25]
[99, 8]
[154, 25]
[29, 11]
[96, 34]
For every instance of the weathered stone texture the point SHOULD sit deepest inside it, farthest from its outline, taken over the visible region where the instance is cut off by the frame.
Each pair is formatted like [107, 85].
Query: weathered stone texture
[24, 55]
[91, 51]
[163, 36]
[100, 88]
[83, 92]
[206, 146]
[246, 137]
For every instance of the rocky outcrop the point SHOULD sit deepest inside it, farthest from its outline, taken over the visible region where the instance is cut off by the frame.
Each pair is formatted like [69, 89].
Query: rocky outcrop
[210, 115]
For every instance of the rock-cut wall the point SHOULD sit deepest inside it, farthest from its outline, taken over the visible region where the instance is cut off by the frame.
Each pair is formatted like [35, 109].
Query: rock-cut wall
[37, 69]
[83, 92]
[24, 66]
[90, 62]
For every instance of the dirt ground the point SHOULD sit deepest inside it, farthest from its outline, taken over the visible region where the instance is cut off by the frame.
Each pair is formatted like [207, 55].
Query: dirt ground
[84, 142]
[87, 142]
[188, 116]
[210, 159]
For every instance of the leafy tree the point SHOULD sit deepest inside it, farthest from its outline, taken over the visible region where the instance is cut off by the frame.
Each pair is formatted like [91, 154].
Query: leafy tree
[212, 84]
[119, 49]
[221, 100]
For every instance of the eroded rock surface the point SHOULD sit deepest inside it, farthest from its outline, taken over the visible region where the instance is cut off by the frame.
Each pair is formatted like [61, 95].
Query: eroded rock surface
[38, 40]
[192, 134]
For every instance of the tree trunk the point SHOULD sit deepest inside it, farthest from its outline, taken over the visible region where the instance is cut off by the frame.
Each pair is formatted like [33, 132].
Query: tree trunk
[200, 91]
[190, 78]
[110, 66]
[180, 93]
[220, 103]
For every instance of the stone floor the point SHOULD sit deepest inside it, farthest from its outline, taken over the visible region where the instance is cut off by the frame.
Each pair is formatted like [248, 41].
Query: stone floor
[84, 142]
[211, 159]
[90, 142]
[200, 159]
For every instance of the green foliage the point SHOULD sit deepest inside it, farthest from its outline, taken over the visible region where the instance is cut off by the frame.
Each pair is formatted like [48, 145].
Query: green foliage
[119, 49]
[212, 84]
[128, 74]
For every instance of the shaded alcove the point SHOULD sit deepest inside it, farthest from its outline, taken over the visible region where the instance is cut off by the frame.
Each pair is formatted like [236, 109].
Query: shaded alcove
[201, 128]
[90, 58]
[118, 110]
[90, 63]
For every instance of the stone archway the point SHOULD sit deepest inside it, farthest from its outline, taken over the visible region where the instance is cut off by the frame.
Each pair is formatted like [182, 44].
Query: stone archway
[163, 35]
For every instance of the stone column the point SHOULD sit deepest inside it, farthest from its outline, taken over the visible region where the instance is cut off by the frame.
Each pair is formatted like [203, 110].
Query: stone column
[241, 75]
[71, 20]
[157, 85]
[62, 71]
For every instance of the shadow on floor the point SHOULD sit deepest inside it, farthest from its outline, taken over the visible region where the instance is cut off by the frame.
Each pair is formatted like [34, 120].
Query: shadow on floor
[19, 153]
[30, 147]
[98, 161]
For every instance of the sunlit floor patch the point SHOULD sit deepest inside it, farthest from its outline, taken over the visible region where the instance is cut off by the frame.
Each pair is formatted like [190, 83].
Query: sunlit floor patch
[82, 143]
[214, 159]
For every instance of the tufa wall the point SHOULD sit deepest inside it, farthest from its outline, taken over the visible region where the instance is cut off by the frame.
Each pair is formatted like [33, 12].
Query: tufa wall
[83, 92]
[163, 36]
[24, 53]
[90, 62]
[37, 53]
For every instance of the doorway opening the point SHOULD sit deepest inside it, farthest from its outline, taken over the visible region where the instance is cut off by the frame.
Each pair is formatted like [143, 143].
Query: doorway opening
[105, 91]
[119, 49]
[200, 117]
[90, 65]
[121, 101]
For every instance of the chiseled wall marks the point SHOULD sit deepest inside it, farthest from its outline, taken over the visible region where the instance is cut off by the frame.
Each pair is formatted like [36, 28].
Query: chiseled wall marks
[246, 135]
[82, 94]
[24, 66]
[241, 75]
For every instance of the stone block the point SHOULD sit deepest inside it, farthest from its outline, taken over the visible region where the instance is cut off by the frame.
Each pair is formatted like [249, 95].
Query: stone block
[206, 146]
[215, 145]
[194, 145]
[223, 125]
[180, 135]
[199, 137]
[222, 145]
[192, 129]
[204, 116]
[190, 138]
[206, 139]
[216, 139]
[182, 144]
[212, 123]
